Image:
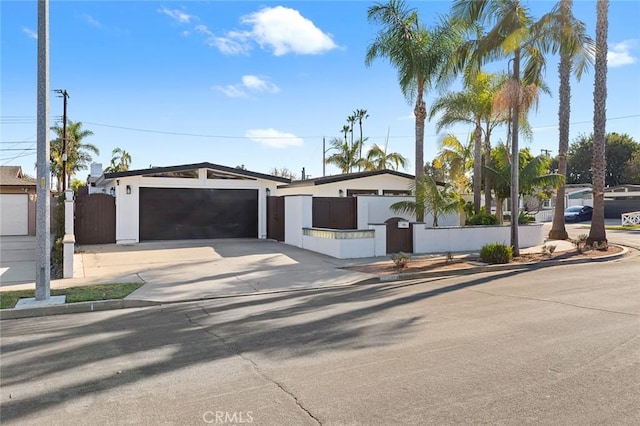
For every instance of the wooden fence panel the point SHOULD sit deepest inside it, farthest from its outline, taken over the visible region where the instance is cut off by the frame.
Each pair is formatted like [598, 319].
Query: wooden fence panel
[335, 212]
[95, 219]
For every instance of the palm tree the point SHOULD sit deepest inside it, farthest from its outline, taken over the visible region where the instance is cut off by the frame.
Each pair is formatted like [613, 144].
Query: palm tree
[360, 114]
[120, 161]
[78, 153]
[345, 131]
[597, 233]
[430, 199]
[378, 159]
[346, 157]
[513, 34]
[576, 49]
[473, 106]
[351, 121]
[458, 159]
[418, 54]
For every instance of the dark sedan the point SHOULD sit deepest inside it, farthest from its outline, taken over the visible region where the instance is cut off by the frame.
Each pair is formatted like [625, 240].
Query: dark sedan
[578, 213]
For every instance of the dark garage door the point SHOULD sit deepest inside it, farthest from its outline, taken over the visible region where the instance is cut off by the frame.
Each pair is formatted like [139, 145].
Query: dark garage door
[181, 214]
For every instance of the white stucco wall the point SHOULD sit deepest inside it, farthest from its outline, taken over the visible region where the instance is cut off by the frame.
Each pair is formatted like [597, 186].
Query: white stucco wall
[298, 213]
[341, 249]
[377, 209]
[377, 182]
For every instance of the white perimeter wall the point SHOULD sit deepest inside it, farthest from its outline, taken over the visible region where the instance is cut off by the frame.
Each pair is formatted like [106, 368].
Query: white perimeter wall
[378, 182]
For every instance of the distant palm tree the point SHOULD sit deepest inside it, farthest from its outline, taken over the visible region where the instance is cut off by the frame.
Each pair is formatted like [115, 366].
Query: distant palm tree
[430, 199]
[378, 159]
[120, 161]
[597, 233]
[576, 54]
[361, 114]
[418, 54]
[346, 157]
[78, 153]
[351, 121]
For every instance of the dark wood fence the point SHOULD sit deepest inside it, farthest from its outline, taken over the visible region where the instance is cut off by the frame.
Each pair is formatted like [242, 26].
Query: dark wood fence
[335, 213]
[275, 218]
[95, 219]
[399, 239]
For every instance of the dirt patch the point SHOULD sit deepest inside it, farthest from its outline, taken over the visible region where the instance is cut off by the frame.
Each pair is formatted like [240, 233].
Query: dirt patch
[439, 264]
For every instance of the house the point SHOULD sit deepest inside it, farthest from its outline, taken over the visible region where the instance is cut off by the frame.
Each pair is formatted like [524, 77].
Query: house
[202, 200]
[17, 202]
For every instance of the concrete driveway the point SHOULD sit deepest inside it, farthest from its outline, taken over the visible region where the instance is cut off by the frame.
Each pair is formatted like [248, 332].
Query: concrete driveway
[17, 260]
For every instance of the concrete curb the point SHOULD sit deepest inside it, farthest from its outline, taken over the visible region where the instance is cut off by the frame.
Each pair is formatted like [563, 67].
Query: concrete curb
[104, 305]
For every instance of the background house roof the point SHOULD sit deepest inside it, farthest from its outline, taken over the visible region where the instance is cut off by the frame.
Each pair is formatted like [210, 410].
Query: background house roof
[12, 176]
[241, 172]
[347, 176]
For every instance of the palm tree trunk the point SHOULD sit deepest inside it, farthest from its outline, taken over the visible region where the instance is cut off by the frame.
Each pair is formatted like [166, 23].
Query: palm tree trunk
[515, 157]
[558, 230]
[597, 233]
[420, 111]
[487, 178]
[477, 166]
[499, 215]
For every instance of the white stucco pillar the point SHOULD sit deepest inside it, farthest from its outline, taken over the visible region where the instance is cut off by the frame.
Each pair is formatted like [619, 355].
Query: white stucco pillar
[69, 239]
[298, 215]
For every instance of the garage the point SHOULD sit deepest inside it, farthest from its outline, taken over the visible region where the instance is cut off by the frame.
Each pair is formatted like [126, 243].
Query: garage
[14, 219]
[191, 213]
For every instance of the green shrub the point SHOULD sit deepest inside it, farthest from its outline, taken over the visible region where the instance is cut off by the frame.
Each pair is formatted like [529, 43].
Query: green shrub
[482, 219]
[524, 218]
[57, 251]
[400, 259]
[496, 253]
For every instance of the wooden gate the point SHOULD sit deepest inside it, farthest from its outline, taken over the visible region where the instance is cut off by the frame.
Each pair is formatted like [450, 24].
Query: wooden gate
[95, 219]
[399, 236]
[275, 218]
[335, 213]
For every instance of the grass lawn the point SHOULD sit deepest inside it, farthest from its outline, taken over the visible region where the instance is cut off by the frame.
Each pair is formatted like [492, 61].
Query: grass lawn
[89, 293]
[616, 227]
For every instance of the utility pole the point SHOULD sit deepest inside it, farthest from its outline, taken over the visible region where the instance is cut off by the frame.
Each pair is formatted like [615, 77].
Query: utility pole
[43, 220]
[546, 152]
[63, 93]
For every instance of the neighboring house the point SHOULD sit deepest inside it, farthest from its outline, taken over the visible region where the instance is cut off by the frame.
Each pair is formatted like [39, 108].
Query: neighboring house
[621, 199]
[377, 182]
[202, 200]
[17, 202]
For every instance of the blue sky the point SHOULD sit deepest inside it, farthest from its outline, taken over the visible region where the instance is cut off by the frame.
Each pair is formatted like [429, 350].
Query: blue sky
[253, 83]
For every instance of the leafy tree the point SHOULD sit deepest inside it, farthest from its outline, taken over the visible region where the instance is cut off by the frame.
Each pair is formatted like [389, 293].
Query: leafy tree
[378, 159]
[575, 49]
[631, 172]
[284, 172]
[597, 233]
[78, 153]
[419, 55]
[619, 149]
[75, 184]
[120, 161]
[458, 160]
[431, 199]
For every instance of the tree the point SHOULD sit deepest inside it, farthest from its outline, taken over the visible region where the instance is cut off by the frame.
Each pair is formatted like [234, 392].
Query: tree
[78, 153]
[360, 114]
[575, 45]
[346, 157]
[631, 172]
[474, 107]
[457, 159]
[120, 161]
[597, 233]
[619, 149]
[378, 159]
[419, 55]
[515, 35]
[533, 175]
[284, 172]
[430, 199]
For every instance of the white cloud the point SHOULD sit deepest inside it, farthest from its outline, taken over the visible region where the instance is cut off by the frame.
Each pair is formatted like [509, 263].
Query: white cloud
[273, 138]
[249, 84]
[177, 15]
[285, 30]
[30, 33]
[91, 21]
[619, 54]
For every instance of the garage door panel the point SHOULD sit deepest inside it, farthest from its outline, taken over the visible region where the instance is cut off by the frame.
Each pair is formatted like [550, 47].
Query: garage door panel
[170, 214]
[14, 214]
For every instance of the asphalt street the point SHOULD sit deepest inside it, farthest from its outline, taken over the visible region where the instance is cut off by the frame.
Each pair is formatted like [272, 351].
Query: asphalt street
[557, 345]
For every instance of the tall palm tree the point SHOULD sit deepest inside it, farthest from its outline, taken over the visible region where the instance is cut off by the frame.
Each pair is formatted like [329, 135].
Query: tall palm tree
[378, 159]
[576, 49]
[78, 153]
[419, 55]
[120, 161]
[597, 233]
[346, 157]
[351, 121]
[361, 114]
[473, 106]
[514, 34]
[345, 131]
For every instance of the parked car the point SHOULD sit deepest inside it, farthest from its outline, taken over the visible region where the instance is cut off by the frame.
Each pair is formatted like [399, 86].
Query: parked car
[578, 213]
